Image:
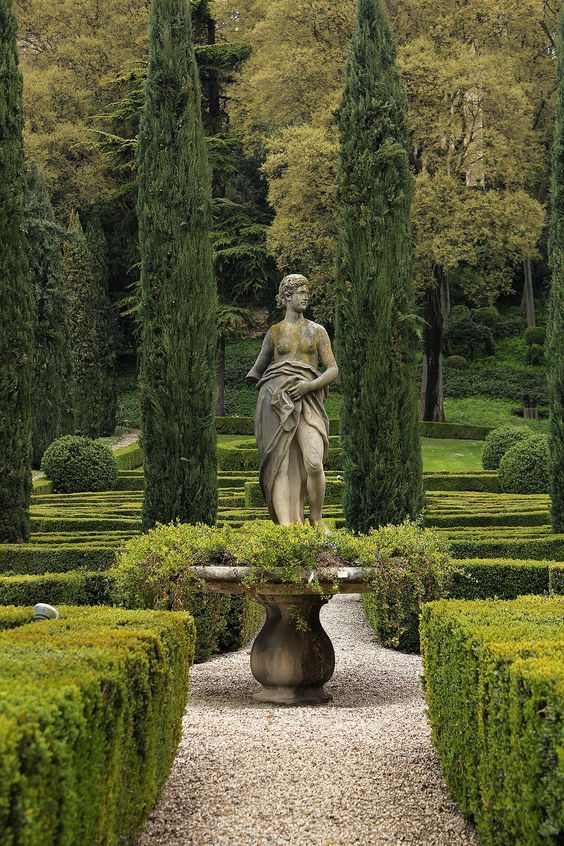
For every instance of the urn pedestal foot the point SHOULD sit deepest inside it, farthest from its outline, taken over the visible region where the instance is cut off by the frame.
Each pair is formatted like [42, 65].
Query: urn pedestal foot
[292, 656]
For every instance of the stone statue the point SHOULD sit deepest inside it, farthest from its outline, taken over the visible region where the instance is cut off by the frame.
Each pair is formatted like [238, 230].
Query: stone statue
[291, 425]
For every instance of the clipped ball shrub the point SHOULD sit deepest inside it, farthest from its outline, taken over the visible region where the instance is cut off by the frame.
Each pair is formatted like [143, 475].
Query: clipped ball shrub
[524, 469]
[535, 335]
[76, 464]
[457, 361]
[499, 441]
[488, 315]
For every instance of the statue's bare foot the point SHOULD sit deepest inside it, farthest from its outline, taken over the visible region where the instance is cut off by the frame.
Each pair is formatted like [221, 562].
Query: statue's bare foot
[319, 524]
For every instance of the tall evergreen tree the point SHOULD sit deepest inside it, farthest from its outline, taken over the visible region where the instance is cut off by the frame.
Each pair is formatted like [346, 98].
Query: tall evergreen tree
[178, 293]
[376, 332]
[106, 324]
[555, 327]
[15, 297]
[82, 298]
[51, 366]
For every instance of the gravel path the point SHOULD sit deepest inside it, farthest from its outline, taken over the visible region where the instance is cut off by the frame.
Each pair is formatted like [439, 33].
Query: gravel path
[359, 771]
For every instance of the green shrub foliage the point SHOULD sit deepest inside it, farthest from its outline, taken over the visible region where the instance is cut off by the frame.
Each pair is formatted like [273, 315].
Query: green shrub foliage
[82, 298]
[52, 401]
[494, 685]
[374, 277]
[524, 469]
[457, 361]
[106, 325]
[555, 326]
[535, 354]
[75, 464]
[499, 441]
[487, 315]
[178, 294]
[465, 335]
[535, 336]
[92, 710]
[16, 297]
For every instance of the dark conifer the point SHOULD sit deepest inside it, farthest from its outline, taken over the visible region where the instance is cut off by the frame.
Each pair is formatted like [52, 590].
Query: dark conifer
[15, 297]
[555, 327]
[107, 326]
[178, 294]
[376, 331]
[51, 358]
[82, 298]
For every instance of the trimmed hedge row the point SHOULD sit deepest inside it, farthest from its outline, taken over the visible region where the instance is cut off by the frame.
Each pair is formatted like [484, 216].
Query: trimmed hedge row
[504, 578]
[73, 588]
[494, 685]
[92, 708]
[129, 457]
[547, 548]
[39, 559]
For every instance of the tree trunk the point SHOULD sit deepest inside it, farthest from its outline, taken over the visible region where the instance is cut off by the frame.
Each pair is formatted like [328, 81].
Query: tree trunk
[220, 378]
[437, 308]
[528, 301]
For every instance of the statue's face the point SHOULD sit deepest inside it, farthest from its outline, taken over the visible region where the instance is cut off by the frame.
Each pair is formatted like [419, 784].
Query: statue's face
[299, 299]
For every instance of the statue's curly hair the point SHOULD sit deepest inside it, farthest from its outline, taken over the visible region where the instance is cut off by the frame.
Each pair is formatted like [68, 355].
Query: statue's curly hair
[287, 287]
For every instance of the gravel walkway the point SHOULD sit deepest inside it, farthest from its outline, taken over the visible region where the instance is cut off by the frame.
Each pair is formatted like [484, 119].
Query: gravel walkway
[357, 772]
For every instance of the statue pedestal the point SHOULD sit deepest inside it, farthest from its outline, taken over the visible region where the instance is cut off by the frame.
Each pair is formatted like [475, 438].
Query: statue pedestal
[292, 656]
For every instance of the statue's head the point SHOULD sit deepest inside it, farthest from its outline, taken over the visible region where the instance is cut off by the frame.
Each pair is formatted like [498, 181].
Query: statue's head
[293, 289]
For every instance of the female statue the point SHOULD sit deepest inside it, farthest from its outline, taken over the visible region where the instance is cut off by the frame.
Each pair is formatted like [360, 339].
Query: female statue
[291, 425]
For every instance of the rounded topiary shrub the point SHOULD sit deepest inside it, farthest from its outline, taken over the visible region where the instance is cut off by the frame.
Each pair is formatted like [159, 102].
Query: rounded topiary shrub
[75, 464]
[535, 354]
[499, 441]
[524, 469]
[488, 315]
[535, 335]
[457, 361]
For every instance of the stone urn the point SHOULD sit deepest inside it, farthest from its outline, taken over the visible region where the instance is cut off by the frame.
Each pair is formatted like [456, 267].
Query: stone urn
[292, 656]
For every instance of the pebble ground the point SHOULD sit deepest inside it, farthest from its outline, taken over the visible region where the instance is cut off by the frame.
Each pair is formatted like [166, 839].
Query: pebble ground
[359, 771]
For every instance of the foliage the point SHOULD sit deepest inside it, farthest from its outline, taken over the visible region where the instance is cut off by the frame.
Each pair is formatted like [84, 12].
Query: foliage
[74, 464]
[16, 298]
[178, 295]
[535, 354]
[495, 691]
[106, 324]
[464, 335]
[499, 441]
[500, 578]
[555, 326]
[494, 379]
[51, 412]
[91, 718]
[535, 335]
[487, 315]
[525, 467]
[457, 361]
[382, 468]
[82, 299]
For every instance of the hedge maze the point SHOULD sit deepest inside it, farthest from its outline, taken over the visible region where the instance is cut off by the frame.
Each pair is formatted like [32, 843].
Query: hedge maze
[492, 691]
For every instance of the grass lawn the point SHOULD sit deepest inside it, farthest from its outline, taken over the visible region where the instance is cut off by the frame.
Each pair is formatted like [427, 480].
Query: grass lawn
[451, 456]
[483, 411]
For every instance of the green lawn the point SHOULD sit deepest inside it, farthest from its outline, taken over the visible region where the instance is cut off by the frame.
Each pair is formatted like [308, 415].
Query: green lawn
[451, 456]
[484, 411]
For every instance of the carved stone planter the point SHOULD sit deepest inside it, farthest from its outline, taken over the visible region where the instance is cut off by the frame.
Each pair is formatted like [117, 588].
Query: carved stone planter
[292, 656]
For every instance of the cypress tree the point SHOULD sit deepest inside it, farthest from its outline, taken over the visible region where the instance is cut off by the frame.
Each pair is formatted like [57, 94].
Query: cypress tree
[82, 298]
[376, 331]
[555, 325]
[15, 298]
[50, 337]
[178, 294]
[106, 324]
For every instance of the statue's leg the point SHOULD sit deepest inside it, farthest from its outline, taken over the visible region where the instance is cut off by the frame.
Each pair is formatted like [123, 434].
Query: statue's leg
[311, 445]
[281, 493]
[296, 504]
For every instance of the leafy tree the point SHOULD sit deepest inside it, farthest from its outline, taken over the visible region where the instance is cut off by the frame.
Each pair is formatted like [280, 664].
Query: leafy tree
[555, 327]
[51, 410]
[15, 298]
[83, 302]
[106, 324]
[376, 332]
[178, 294]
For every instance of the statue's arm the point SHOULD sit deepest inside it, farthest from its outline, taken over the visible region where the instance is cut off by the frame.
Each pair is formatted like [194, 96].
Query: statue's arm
[263, 360]
[327, 360]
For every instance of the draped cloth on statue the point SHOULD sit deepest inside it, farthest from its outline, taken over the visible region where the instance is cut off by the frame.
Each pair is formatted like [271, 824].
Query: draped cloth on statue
[277, 418]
